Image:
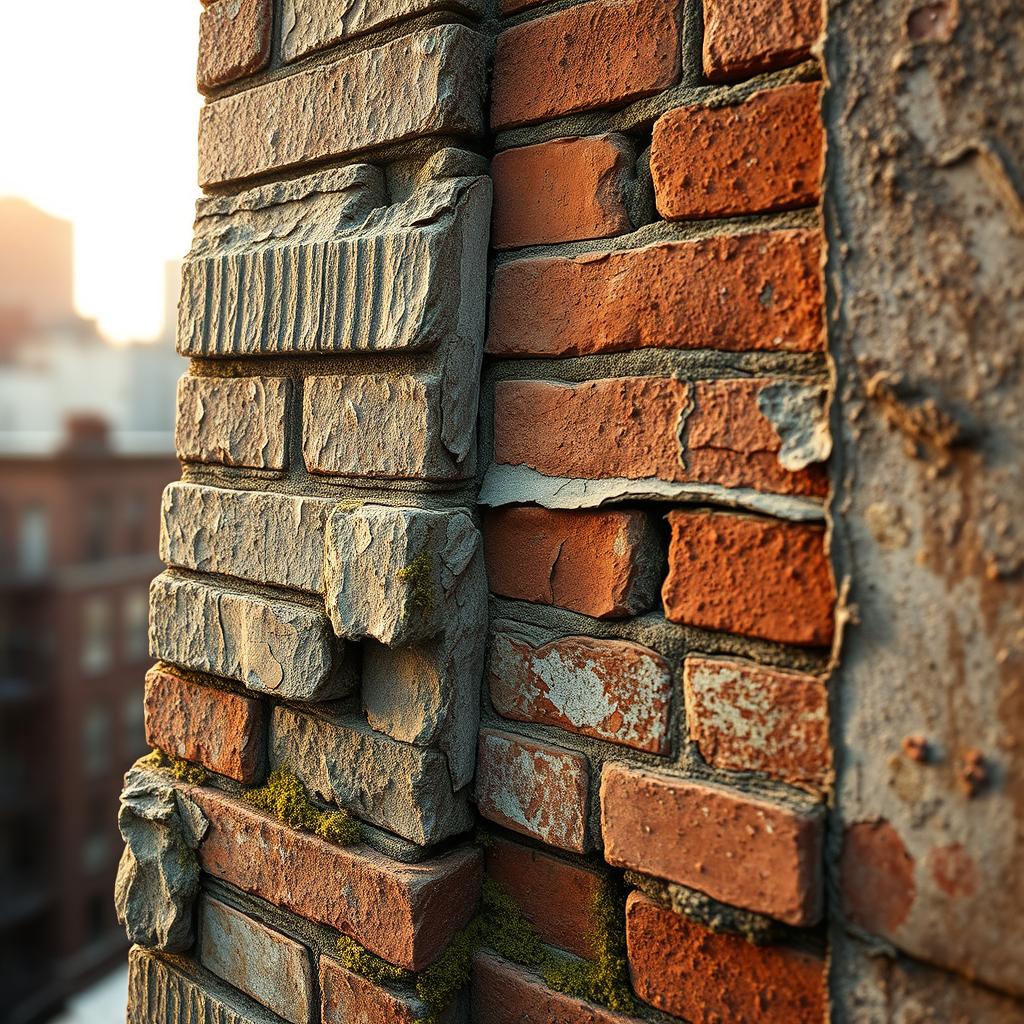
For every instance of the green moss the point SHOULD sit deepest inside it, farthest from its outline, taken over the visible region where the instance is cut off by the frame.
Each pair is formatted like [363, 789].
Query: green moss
[180, 769]
[419, 574]
[368, 964]
[285, 797]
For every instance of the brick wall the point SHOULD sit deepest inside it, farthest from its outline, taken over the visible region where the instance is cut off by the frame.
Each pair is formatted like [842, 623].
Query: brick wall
[496, 648]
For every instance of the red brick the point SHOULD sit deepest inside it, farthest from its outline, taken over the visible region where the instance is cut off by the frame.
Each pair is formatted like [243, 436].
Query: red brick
[743, 37]
[557, 898]
[349, 998]
[756, 292]
[405, 913]
[682, 968]
[598, 54]
[505, 993]
[760, 155]
[560, 191]
[222, 731]
[234, 41]
[602, 564]
[736, 847]
[610, 689]
[647, 427]
[533, 789]
[757, 577]
[747, 717]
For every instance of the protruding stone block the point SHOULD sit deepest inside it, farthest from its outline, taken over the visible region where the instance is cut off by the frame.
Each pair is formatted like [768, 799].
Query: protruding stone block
[270, 646]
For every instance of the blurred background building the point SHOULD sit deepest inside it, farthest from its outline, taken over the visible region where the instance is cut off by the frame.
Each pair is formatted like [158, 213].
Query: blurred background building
[86, 448]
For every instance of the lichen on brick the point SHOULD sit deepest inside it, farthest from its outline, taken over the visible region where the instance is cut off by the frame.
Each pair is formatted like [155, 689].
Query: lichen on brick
[419, 574]
[287, 799]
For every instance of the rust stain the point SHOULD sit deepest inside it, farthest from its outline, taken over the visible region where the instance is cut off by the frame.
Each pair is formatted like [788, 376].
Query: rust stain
[876, 877]
[954, 870]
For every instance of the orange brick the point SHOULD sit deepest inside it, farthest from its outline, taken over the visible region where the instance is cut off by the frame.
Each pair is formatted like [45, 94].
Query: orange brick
[763, 154]
[234, 41]
[757, 577]
[736, 847]
[598, 54]
[744, 37]
[756, 292]
[682, 968]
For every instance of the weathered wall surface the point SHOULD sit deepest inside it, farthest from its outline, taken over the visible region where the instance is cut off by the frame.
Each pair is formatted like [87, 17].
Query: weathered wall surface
[925, 207]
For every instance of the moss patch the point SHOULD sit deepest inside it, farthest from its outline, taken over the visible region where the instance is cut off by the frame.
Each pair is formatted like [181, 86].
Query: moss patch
[369, 965]
[285, 797]
[419, 574]
[179, 768]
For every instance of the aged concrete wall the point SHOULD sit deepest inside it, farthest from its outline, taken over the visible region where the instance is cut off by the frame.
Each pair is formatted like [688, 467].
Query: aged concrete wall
[925, 214]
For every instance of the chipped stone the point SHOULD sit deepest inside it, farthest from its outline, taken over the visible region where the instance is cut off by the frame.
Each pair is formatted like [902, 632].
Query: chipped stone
[799, 415]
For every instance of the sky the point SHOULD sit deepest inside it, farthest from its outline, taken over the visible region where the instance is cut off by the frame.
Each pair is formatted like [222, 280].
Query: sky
[98, 114]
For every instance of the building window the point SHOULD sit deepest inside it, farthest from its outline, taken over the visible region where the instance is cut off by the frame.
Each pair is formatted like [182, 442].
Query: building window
[133, 723]
[96, 741]
[33, 540]
[97, 530]
[97, 652]
[135, 623]
[136, 541]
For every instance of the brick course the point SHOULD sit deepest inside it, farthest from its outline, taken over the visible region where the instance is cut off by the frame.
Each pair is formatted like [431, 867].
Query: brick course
[234, 41]
[743, 38]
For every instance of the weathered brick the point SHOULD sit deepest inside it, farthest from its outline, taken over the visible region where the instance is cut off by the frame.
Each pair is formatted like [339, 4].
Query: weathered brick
[597, 54]
[736, 847]
[558, 898]
[639, 428]
[755, 292]
[310, 25]
[561, 191]
[757, 577]
[403, 788]
[747, 717]
[271, 646]
[534, 789]
[405, 913]
[603, 564]
[505, 993]
[612, 690]
[237, 421]
[253, 535]
[742, 37]
[349, 998]
[681, 967]
[272, 968]
[220, 730]
[424, 83]
[234, 41]
[760, 155]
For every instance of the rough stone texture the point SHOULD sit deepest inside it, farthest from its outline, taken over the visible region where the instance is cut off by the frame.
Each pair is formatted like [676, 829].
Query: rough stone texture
[760, 155]
[738, 848]
[929, 326]
[683, 968]
[612, 690]
[158, 876]
[234, 41]
[220, 730]
[173, 990]
[640, 428]
[605, 564]
[533, 789]
[269, 645]
[405, 913]
[272, 968]
[756, 577]
[742, 38]
[561, 191]
[505, 993]
[557, 897]
[400, 787]
[252, 535]
[747, 717]
[309, 25]
[425, 83]
[234, 422]
[349, 998]
[755, 292]
[428, 693]
[597, 54]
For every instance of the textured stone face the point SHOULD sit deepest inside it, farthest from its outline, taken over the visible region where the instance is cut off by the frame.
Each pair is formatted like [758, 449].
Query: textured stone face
[252, 535]
[234, 41]
[272, 968]
[609, 689]
[158, 877]
[234, 422]
[743, 37]
[402, 788]
[424, 83]
[269, 645]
